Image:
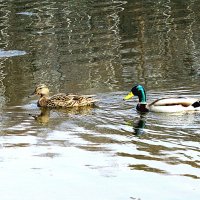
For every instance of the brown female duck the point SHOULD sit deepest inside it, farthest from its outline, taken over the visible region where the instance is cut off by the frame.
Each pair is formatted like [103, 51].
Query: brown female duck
[61, 100]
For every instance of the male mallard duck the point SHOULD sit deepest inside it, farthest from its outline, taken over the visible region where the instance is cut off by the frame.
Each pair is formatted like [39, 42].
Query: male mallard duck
[61, 100]
[179, 104]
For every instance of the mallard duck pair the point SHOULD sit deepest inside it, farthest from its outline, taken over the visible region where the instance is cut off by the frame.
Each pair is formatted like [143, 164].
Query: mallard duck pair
[160, 105]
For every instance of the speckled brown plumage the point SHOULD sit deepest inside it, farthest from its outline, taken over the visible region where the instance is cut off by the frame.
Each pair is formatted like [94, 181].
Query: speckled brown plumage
[62, 100]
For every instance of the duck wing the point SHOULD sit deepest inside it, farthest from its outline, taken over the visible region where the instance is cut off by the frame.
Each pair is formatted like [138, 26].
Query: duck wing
[71, 100]
[174, 101]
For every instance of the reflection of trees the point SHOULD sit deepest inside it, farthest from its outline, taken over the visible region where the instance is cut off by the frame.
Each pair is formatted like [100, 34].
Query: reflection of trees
[84, 45]
[75, 43]
[2, 88]
[162, 42]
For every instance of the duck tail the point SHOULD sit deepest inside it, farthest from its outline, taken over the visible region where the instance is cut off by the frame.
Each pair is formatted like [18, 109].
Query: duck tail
[92, 101]
[196, 104]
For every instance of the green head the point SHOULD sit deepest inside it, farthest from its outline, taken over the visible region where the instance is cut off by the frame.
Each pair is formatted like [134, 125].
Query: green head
[137, 90]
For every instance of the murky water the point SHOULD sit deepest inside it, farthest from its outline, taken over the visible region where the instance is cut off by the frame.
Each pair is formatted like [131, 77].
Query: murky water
[102, 48]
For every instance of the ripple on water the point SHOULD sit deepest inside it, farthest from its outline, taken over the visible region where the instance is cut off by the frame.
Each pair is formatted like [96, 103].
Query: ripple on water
[154, 143]
[11, 53]
[26, 13]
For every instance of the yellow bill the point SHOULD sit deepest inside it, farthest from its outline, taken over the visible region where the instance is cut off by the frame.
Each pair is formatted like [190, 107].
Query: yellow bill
[130, 95]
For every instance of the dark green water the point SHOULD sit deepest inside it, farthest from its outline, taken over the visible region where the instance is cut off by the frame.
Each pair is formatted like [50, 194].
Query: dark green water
[98, 47]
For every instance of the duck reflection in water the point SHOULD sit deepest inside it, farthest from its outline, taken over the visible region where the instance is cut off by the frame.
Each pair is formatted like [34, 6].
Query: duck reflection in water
[139, 125]
[44, 115]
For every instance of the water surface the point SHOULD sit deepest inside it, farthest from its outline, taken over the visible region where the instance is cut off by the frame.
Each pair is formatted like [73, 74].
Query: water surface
[102, 48]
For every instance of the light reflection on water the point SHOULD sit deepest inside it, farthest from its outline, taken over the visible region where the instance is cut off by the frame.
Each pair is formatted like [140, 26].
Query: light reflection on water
[100, 48]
